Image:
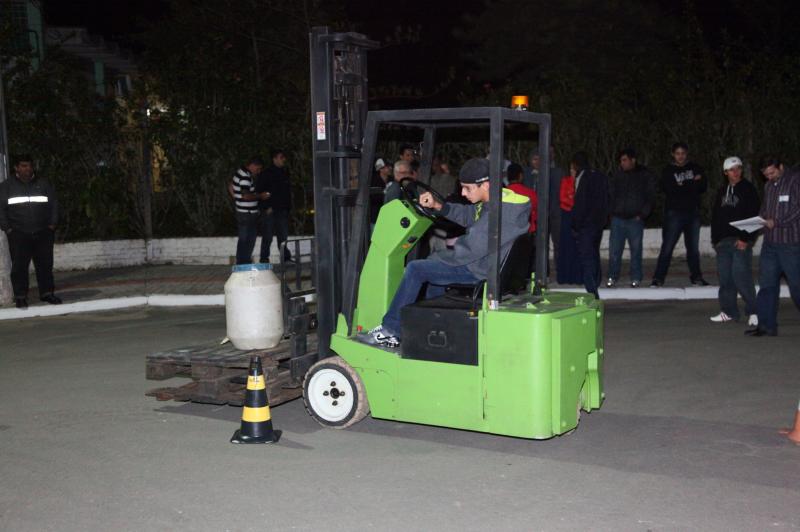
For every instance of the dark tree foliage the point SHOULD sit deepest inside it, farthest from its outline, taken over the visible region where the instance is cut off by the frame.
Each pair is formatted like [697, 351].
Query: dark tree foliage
[644, 74]
[226, 79]
[77, 140]
[229, 80]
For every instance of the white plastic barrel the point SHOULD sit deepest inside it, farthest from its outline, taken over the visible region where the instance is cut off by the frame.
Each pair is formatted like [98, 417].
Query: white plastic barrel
[254, 307]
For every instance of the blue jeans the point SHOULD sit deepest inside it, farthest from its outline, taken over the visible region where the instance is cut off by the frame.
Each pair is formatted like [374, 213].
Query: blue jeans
[588, 241]
[776, 259]
[622, 229]
[735, 269]
[418, 272]
[675, 223]
[247, 228]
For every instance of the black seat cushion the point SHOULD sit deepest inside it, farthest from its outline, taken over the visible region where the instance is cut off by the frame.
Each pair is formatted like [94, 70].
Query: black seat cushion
[515, 273]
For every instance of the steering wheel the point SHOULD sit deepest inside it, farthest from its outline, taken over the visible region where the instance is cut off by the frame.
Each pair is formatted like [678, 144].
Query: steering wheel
[408, 186]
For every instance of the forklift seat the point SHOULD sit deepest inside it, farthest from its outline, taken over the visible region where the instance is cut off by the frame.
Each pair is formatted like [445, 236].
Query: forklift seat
[445, 329]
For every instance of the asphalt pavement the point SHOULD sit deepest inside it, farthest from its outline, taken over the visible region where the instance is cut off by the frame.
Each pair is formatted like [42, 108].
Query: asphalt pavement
[686, 440]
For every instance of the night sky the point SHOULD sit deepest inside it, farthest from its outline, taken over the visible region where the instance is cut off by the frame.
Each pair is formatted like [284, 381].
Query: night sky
[430, 58]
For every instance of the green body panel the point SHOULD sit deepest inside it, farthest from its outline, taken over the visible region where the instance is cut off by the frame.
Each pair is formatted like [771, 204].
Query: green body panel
[383, 267]
[539, 358]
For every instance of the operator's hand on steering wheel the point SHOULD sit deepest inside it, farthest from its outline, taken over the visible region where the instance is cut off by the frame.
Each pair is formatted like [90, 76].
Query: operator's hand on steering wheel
[426, 200]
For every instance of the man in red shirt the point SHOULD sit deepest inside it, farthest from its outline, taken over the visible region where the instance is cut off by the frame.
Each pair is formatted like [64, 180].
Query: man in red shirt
[514, 176]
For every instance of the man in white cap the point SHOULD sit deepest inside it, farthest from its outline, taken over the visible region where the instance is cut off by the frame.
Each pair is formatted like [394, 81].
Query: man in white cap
[736, 199]
[380, 178]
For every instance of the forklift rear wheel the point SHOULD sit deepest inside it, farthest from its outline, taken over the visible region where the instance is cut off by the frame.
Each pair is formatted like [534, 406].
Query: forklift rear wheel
[334, 394]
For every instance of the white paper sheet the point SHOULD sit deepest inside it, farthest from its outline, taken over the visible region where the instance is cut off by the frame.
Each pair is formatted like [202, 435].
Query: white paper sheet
[751, 225]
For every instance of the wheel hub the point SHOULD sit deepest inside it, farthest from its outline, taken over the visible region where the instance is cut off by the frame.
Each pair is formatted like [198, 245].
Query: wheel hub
[331, 395]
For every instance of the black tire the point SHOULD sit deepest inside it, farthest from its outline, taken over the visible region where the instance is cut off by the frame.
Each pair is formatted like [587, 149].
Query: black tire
[324, 386]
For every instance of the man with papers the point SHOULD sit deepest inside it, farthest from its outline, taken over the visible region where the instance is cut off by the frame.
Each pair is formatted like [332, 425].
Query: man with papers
[780, 253]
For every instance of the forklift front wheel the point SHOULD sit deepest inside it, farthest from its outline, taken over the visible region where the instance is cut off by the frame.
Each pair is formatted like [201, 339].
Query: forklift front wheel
[334, 394]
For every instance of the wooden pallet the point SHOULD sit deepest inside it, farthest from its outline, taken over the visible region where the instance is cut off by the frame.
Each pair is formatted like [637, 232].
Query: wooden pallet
[219, 373]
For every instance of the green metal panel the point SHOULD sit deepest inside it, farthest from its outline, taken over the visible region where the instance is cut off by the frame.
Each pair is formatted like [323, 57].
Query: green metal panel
[573, 341]
[515, 348]
[385, 262]
[442, 394]
[377, 368]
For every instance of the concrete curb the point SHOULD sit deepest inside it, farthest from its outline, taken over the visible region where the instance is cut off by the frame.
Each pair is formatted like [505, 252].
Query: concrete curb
[217, 300]
[113, 303]
[659, 294]
[159, 300]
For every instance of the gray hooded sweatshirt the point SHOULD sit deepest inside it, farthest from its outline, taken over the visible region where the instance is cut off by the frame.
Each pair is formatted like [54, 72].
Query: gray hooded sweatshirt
[472, 248]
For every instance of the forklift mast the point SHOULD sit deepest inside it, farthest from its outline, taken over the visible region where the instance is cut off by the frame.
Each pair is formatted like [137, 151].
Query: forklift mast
[338, 114]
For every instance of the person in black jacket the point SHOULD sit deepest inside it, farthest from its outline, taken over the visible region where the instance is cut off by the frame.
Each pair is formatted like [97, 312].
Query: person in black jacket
[274, 219]
[28, 215]
[631, 195]
[589, 217]
[684, 183]
[736, 199]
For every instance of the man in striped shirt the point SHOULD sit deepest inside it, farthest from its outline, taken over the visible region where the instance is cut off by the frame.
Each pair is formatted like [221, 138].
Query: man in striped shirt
[243, 191]
[780, 253]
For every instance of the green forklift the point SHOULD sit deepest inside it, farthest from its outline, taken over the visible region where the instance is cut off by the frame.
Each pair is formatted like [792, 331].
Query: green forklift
[506, 356]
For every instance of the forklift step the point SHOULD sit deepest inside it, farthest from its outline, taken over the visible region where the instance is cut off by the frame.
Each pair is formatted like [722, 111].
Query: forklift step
[218, 373]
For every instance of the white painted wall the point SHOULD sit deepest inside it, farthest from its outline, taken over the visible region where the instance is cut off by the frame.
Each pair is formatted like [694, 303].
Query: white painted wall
[221, 250]
[117, 253]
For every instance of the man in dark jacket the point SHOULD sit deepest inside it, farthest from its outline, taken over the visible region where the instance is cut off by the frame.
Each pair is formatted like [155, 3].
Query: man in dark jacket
[28, 215]
[631, 194]
[589, 218]
[684, 183]
[736, 199]
[274, 211]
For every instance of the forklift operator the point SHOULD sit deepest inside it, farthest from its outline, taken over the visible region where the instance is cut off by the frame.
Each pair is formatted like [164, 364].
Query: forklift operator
[467, 262]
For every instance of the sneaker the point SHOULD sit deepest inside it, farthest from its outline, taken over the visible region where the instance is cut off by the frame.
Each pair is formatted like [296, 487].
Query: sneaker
[656, 283]
[721, 318]
[610, 283]
[699, 282]
[21, 303]
[635, 284]
[382, 337]
[753, 321]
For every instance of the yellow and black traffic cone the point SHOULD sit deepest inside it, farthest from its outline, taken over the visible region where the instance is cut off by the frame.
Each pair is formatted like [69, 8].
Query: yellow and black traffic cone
[256, 419]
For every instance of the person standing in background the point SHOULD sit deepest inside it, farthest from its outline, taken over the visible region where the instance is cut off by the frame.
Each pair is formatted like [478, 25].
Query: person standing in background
[28, 216]
[589, 217]
[568, 267]
[631, 195]
[243, 191]
[275, 210]
[780, 253]
[684, 184]
[736, 199]
[380, 179]
[531, 180]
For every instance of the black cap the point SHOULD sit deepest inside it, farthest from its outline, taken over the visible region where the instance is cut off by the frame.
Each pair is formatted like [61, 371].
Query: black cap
[474, 171]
